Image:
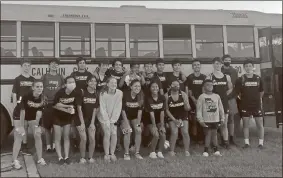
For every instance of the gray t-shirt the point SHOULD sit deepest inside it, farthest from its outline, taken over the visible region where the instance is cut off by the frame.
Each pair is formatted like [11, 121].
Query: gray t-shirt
[210, 108]
[52, 84]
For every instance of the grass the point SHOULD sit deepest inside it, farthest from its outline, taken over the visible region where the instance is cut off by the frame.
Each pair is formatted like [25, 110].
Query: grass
[234, 162]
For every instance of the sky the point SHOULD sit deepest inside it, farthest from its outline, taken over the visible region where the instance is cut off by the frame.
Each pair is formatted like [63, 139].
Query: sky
[262, 6]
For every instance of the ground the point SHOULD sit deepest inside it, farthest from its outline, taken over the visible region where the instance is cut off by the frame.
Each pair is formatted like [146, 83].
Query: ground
[235, 162]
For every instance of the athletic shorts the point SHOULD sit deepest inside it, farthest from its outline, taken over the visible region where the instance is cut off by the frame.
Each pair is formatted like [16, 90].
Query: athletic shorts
[57, 120]
[146, 119]
[77, 121]
[48, 117]
[183, 119]
[233, 108]
[252, 111]
[225, 106]
[16, 112]
[212, 125]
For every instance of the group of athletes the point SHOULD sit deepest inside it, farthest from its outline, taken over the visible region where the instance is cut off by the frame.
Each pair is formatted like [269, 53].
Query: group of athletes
[112, 105]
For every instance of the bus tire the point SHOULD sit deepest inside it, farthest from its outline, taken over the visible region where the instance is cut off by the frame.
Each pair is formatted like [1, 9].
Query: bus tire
[6, 127]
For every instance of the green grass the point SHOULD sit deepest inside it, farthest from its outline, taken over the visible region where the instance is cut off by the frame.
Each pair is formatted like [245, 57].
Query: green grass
[235, 162]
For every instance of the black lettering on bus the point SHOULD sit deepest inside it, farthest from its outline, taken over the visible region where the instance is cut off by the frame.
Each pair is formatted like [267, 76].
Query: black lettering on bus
[33, 71]
[62, 71]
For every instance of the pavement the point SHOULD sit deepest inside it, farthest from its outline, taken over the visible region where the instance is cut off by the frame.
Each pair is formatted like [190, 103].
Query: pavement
[29, 168]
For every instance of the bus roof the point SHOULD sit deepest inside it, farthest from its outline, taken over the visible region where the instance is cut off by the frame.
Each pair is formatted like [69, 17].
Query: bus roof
[137, 15]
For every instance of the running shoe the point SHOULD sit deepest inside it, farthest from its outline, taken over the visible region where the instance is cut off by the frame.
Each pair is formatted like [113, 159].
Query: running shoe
[91, 160]
[153, 155]
[82, 161]
[187, 153]
[16, 164]
[113, 158]
[61, 161]
[127, 156]
[205, 154]
[138, 156]
[172, 153]
[107, 158]
[160, 155]
[217, 153]
[67, 161]
[246, 146]
[260, 146]
[41, 162]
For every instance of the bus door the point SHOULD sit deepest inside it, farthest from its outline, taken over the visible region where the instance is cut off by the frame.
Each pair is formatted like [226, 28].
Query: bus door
[271, 56]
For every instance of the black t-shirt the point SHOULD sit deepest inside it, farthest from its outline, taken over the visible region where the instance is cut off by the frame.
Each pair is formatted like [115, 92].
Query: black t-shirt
[249, 90]
[80, 78]
[131, 106]
[220, 87]
[101, 83]
[22, 85]
[155, 106]
[31, 105]
[170, 77]
[89, 102]
[162, 79]
[115, 74]
[176, 108]
[74, 98]
[195, 84]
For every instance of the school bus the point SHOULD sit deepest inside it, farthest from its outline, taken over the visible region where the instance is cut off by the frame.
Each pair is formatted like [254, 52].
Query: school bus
[133, 33]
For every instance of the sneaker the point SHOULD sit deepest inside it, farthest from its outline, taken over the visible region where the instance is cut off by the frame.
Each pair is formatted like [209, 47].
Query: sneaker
[246, 146]
[260, 146]
[153, 155]
[67, 161]
[54, 150]
[217, 153]
[127, 156]
[205, 154]
[91, 160]
[172, 153]
[82, 161]
[187, 153]
[107, 158]
[160, 155]
[61, 161]
[16, 164]
[138, 156]
[41, 162]
[226, 146]
[113, 158]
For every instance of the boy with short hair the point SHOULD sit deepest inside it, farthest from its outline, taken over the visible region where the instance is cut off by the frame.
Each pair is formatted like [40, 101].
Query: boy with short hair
[21, 87]
[210, 113]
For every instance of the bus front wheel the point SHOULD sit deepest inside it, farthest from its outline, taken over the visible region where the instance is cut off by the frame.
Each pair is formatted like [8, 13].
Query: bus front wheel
[6, 127]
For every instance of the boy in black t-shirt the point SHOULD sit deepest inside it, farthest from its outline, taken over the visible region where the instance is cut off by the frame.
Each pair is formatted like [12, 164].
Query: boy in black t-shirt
[30, 114]
[22, 86]
[250, 89]
[66, 104]
[176, 75]
[194, 90]
[160, 75]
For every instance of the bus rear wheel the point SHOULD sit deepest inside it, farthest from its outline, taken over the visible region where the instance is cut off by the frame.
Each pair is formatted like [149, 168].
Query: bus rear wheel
[6, 127]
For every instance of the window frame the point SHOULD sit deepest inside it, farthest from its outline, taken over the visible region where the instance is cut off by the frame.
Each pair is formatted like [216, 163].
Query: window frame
[107, 41]
[89, 41]
[241, 42]
[10, 41]
[209, 42]
[37, 41]
[144, 41]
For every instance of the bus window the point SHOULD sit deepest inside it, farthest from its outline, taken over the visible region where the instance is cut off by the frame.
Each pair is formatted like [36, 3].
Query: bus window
[240, 41]
[144, 40]
[110, 40]
[74, 39]
[209, 41]
[177, 41]
[277, 48]
[38, 39]
[8, 38]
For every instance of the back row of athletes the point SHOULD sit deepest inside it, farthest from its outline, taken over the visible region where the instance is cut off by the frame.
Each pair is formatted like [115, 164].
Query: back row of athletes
[129, 99]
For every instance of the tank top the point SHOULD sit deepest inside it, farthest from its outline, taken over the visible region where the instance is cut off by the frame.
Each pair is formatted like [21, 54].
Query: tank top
[220, 87]
[176, 108]
[101, 83]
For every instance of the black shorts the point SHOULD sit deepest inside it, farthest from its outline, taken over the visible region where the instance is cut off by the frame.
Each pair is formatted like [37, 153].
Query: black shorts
[16, 112]
[60, 121]
[146, 119]
[252, 111]
[225, 105]
[47, 119]
[212, 125]
[77, 121]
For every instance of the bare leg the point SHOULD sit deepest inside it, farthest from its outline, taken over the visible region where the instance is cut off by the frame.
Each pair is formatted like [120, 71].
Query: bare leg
[17, 140]
[82, 142]
[246, 125]
[173, 136]
[260, 129]
[91, 146]
[66, 132]
[185, 134]
[58, 134]
[106, 138]
[155, 137]
[113, 139]
[37, 139]
[137, 133]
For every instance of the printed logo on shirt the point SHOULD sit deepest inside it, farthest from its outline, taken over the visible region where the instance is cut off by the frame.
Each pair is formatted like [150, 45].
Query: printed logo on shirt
[34, 105]
[210, 105]
[219, 83]
[162, 79]
[156, 106]
[67, 100]
[101, 84]
[197, 82]
[25, 83]
[89, 100]
[132, 104]
[52, 82]
[81, 77]
[251, 84]
[116, 77]
[174, 105]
